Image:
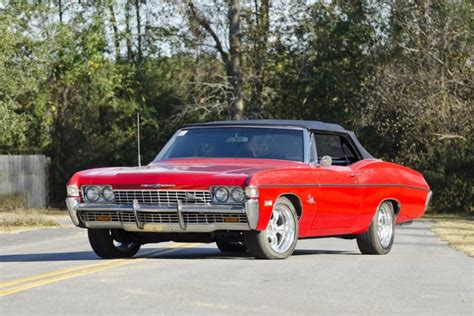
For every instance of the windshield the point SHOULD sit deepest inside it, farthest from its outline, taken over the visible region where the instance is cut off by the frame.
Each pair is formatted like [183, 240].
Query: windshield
[235, 142]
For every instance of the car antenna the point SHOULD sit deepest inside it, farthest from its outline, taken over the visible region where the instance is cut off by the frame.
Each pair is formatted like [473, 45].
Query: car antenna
[138, 140]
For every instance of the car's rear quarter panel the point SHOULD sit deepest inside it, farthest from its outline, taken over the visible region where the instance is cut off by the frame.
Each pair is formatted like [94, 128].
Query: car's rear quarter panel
[388, 181]
[378, 180]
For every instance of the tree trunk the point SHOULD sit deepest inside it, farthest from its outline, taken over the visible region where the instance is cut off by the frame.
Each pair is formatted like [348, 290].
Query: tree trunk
[139, 29]
[263, 28]
[230, 59]
[60, 9]
[128, 33]
[113, 22]
[234, 70]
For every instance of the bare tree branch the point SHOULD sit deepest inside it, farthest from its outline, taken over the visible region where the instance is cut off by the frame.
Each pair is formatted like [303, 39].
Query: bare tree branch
[206, 25]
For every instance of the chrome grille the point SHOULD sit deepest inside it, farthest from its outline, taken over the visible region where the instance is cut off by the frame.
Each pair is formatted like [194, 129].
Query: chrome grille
[209, 218]
[162, 197]
[163, 218]
[168, 218]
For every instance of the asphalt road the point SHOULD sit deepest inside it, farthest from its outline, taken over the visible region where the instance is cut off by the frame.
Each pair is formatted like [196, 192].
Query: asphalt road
[55, 272]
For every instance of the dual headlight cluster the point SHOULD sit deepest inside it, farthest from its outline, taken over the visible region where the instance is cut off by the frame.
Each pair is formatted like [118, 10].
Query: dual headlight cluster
[97, 194]
[227, 195]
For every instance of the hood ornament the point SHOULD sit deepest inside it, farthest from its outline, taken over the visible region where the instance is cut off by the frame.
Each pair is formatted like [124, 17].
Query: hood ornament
[155, 186]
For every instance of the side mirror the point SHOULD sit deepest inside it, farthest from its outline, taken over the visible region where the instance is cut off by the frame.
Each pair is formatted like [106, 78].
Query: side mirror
[326, 161]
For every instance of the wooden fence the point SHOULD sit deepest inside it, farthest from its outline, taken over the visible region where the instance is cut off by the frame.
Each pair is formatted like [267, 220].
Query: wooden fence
[27, 176]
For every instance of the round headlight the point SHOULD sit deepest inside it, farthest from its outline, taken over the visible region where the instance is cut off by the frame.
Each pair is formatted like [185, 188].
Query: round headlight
[237, 194]
[221, 194]
[108, 194]
[91, 194]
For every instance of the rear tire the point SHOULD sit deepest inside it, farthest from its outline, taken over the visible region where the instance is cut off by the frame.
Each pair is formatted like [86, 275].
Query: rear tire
[378, 240]
[113, 243]
[279, 240]
[231, 246]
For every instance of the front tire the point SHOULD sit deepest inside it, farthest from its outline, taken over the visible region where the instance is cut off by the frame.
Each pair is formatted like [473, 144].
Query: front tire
[113, 243]
[378, 240]
[279, 240]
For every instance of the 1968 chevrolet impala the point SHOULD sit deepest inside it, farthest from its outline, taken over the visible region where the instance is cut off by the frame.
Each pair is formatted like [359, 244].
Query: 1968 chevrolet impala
[255, 186]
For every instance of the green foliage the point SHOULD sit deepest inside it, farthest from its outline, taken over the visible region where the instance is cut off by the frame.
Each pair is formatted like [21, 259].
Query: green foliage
[23, 72]
[321, 74]
[400, 74]
[417, 107]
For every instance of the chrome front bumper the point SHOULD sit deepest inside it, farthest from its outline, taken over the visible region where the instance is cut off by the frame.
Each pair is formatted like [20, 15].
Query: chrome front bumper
[154, 218]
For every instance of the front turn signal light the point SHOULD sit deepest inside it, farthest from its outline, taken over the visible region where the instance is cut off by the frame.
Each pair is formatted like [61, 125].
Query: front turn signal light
[251, 191]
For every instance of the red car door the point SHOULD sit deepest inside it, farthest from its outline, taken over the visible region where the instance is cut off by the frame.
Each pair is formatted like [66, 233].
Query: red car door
[338, 195]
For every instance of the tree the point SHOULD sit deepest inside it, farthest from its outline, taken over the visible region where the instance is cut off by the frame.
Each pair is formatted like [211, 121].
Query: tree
[230, 58]
[417, 107]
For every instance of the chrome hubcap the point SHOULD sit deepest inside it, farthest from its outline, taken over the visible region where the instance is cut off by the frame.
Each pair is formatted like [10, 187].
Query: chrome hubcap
[281, 229]
[385, 224]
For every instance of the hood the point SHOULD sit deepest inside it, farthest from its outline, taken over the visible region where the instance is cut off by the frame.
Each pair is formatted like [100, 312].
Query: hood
[185, 173]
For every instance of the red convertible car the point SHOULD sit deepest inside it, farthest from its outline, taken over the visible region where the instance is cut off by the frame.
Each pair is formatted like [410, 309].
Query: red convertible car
[256, 186]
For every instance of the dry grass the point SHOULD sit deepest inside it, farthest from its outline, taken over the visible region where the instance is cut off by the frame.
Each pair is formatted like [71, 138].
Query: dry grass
[16, 217]
[456, 230]
[18, 220]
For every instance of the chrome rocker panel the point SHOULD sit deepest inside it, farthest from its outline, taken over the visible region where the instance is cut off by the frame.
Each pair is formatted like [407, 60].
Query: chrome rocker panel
[250, 210]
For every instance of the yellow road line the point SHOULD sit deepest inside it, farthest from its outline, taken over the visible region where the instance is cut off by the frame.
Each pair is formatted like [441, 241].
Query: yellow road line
[67, 270]
[59, 275]
[53, 273]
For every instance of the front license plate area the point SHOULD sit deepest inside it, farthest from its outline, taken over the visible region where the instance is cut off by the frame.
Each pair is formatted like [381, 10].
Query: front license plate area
[103, 218]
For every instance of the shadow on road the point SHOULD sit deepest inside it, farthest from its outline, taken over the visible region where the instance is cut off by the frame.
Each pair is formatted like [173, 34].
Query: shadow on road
[188, 253]
[211, 253]
[54, 256]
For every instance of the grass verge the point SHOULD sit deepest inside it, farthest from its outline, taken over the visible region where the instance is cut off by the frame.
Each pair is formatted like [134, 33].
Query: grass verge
[17, 220]
[458, 231]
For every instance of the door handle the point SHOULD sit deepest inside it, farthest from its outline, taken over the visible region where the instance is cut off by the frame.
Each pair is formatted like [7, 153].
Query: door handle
[353, 175]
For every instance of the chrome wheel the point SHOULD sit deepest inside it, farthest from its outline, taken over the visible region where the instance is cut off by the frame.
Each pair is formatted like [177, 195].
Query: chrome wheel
[281, 229]
[385, 224]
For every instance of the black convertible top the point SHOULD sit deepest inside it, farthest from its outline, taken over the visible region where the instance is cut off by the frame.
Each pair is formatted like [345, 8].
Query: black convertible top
[316, 125]
[311, 125]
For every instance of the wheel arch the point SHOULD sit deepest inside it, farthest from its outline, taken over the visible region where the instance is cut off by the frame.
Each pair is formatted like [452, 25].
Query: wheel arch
[397, 206]
[295, 200]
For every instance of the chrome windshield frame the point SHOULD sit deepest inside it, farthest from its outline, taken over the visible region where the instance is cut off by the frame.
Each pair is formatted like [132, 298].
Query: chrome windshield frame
[306, 139]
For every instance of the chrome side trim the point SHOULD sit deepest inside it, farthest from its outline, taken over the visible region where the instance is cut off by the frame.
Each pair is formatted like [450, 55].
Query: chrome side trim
[343, 185]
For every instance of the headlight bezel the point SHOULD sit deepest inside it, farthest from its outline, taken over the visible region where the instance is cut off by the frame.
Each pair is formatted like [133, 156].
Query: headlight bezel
[103, 194]
[226, 192]
[238, 190]
[230, 200]
[101, 198]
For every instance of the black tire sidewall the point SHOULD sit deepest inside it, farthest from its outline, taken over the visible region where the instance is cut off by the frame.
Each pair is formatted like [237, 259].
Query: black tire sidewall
[102, 243]
[264, 251]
